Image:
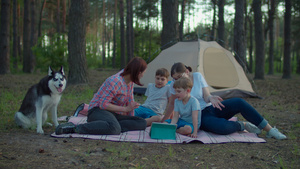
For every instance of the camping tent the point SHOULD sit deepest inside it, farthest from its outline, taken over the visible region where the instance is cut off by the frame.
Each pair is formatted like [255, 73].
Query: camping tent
[225, 77]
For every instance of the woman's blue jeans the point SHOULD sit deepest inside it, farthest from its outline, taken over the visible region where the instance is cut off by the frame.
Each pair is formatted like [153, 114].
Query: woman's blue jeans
[216, 121]
[103, 122]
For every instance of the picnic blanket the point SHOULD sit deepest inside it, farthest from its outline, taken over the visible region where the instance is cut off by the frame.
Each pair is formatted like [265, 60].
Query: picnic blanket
[143, 136]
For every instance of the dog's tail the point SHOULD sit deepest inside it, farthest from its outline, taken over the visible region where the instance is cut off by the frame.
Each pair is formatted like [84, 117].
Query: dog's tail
[22, 120]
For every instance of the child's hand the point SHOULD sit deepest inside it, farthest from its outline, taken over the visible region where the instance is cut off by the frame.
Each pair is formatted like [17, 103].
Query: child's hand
[193, 135]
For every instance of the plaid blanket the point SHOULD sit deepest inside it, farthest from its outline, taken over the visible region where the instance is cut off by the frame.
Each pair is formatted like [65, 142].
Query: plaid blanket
[144, 137]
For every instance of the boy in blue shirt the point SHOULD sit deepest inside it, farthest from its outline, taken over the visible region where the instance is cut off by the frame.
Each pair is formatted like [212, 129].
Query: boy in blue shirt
[157, 98]
[187, 111]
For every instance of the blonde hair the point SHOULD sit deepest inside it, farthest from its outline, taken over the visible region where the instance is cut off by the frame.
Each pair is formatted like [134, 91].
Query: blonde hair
[183, 82]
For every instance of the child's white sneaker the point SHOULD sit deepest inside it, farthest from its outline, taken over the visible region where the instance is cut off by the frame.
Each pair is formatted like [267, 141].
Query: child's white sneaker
[251, 128]
[276, 134]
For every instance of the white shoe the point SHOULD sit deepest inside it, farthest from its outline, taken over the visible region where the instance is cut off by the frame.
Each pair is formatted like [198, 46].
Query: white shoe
[251, 128]
[276, 134]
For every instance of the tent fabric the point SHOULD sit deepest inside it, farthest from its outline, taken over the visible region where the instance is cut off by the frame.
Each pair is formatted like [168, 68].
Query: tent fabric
[225, 77]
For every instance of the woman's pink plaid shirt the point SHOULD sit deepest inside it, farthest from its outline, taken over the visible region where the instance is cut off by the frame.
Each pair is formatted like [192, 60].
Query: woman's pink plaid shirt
[115, 91]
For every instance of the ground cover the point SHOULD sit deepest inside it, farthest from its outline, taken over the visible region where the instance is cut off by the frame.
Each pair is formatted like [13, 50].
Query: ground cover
[21, 148]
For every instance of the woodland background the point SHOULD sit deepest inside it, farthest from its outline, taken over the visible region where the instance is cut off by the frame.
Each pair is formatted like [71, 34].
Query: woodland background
[88, 36]
[81, 34]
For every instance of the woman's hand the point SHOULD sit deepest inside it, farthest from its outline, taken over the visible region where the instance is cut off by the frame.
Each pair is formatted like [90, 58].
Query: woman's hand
[216, 101]
[132, 106]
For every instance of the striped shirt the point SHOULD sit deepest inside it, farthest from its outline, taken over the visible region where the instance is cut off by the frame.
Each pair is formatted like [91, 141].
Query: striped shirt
[115, 91]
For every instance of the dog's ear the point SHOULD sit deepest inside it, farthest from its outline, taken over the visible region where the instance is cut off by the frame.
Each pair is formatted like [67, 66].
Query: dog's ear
[62, 70]
[50, 71]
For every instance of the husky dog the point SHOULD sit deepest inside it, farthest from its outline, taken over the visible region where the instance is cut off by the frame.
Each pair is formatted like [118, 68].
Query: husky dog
[40, 99]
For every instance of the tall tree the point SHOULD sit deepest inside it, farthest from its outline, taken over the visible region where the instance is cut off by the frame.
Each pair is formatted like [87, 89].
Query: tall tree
[32, 32]
[4, 42]
[287, 69]
[64, 11]
[221, 23]
[122, 27]
[15, 35]
[58, 17]
[250, 51]
[129, 30]
[183, 3]
[212, 33]
[76, 42]
[259, 41]
[114, 35]
[27, 60]
[239, 34]
[271, 36]
[169, 18]
[103, 34]
[20, 30]
[41, 17]
[296, 33]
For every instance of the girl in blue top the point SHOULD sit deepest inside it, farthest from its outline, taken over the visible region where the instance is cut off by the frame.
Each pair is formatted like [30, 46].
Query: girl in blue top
[216, 112]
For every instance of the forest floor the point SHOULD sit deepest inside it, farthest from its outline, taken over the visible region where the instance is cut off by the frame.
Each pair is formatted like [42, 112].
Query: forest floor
[21, 148]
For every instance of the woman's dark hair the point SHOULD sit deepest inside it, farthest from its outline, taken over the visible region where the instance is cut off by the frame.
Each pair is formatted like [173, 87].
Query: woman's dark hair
[135, 66]
[179, 68]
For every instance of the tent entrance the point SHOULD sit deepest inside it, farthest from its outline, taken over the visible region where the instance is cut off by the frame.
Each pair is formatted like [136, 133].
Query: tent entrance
[217, 66]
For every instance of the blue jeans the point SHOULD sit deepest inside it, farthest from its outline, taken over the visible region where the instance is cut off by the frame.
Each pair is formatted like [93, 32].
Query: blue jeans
[216, 121]
[103, 122]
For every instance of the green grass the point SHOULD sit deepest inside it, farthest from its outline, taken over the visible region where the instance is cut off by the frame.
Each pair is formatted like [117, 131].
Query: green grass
[9, 105]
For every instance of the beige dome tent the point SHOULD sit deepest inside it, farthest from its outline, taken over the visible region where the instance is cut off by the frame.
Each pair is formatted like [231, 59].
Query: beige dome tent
[222, 72]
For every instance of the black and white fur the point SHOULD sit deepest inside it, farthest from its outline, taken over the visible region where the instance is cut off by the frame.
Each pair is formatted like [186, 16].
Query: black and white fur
[40, 99]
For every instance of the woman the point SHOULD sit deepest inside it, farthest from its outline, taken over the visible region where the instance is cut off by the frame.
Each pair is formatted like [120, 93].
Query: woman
[216, 112]
[111, 109]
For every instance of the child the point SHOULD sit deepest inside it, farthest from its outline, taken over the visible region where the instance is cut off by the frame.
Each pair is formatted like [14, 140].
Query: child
[157, 98]
[187, 111]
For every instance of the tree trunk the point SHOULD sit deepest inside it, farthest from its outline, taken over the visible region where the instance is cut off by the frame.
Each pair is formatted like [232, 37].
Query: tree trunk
[4, 42]
[95, 39]
[27, 60]
[250, 45]
[287, 68]
[15, 35]
[221, 23]
[169, 32]
[114, 36]
[122, 27]
[259, 41]
[76, 42]
[58, 17]
[103, 35]
[182, 20]
[129, 30]
[40, 20]
[298, 61]
[246, 29]
[32, 33]
[64, 11]
[271, 36]
[239, 34]
[212, 33]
